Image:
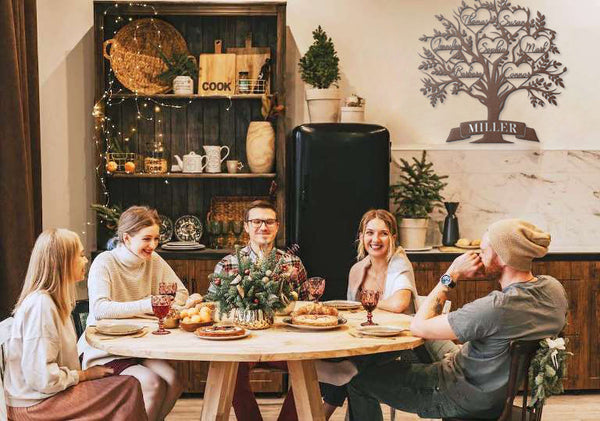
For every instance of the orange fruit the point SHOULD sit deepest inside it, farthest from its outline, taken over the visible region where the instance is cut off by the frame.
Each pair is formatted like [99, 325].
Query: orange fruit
[129, 167]
[111, 166]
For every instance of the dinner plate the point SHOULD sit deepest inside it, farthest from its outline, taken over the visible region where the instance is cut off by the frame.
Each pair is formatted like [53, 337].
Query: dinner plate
[380, 330]
[118, 330]
[288, 322]
[224, 338]
[188, 228]
[343, 304]
[420, 249]
[165, 230]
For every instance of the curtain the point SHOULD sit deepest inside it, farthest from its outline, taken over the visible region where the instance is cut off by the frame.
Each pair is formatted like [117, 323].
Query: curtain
[20, 167]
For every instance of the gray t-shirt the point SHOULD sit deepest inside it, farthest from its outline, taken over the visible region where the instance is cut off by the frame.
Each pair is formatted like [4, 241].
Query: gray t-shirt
[476, 377]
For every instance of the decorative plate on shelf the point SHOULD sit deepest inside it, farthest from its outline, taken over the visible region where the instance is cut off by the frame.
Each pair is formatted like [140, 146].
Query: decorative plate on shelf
[188, 228]
[166, 229]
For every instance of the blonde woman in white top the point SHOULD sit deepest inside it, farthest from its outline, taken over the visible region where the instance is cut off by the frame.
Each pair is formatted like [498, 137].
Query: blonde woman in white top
[43, 378]
[120, 284]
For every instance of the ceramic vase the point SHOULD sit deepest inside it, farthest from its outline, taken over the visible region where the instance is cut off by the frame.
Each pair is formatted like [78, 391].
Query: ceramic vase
[252, 319]
[260, 146]
[183, 85]
[413, 232]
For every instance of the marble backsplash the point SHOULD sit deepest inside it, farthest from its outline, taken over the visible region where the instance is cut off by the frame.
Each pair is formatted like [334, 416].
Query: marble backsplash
[558, 191]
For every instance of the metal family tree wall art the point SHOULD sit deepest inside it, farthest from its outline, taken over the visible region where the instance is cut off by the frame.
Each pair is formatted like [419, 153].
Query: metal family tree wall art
[490, 51]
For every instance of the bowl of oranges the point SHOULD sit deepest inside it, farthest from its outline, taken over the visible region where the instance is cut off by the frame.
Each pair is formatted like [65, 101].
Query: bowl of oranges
[197, 316]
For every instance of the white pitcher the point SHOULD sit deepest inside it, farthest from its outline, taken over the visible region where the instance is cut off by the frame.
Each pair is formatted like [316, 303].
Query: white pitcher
[214, 157]
[192, 162]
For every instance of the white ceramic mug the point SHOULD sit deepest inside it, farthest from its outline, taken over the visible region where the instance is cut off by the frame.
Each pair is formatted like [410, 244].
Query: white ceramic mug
[214, 157]
[233, 166]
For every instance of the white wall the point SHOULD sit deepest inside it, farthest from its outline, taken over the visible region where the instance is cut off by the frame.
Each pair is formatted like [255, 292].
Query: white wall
[377, 42]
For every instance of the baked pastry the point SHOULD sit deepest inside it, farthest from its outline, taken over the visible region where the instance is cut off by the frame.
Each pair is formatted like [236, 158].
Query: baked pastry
[220, 331]
[462, 242]
[315, 315]
[476, 242]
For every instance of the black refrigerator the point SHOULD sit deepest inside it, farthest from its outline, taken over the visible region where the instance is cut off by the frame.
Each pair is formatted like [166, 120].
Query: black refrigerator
[338, 172]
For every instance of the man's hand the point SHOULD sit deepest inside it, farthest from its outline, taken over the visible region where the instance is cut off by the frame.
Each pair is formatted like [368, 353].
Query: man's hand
[467, 265]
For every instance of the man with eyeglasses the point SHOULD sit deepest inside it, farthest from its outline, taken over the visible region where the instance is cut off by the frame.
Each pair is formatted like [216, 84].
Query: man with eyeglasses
[261, 224]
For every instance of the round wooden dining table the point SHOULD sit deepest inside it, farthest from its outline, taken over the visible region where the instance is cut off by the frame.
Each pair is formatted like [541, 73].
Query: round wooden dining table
[300, 348]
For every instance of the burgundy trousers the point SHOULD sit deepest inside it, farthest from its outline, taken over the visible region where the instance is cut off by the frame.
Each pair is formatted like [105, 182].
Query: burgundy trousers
[244, 402]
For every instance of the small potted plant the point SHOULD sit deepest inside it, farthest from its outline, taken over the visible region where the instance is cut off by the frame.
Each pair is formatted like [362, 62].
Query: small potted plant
[354, 111]
[254, 292]
[181, 72]
[319, 68]
[416, 194]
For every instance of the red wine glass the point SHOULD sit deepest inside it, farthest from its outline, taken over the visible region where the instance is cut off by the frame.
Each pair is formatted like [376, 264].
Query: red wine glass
[161, 304]
[316, 288]
[369, 299]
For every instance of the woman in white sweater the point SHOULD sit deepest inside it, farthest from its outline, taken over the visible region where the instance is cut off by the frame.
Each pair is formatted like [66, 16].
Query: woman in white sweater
[120, 284]
[43, 378]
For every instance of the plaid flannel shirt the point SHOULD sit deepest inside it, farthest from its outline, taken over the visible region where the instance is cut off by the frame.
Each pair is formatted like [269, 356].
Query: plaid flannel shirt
[229, 265]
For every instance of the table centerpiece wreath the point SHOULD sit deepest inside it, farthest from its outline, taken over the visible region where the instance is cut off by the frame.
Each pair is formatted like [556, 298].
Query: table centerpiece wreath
[253, 293]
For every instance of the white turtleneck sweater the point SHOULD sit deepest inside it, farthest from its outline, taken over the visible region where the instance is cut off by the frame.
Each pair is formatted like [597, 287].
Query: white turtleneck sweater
[119, 286]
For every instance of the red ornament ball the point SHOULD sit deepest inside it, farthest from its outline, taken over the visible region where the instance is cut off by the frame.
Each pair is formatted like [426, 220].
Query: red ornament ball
[256, 301]
[217, 282]
[247, 272]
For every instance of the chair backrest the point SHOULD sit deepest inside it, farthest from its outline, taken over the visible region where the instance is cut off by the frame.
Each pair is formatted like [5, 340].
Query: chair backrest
[5, 329]
[80, 314]
[521, 353]
[421, 298]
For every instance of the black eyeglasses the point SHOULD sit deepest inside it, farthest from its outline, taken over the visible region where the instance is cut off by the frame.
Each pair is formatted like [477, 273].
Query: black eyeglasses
[256, 223]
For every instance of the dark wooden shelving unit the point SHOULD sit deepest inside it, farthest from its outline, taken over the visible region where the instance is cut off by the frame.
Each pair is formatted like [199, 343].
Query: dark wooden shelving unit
[190, 175]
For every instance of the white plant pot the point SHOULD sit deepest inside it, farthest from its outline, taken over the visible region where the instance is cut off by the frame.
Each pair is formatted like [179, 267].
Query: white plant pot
[260, 146]
[183, 85]
[413, 232]
[352, 115]
[323, 105]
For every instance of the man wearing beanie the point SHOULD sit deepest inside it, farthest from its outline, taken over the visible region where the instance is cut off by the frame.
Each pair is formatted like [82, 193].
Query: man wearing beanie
[471, 381]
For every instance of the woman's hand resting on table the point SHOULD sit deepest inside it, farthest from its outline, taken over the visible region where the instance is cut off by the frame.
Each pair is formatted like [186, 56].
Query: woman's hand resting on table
[93, 373]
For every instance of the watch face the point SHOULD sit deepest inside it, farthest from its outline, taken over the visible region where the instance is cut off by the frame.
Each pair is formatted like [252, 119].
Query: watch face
[446, 280]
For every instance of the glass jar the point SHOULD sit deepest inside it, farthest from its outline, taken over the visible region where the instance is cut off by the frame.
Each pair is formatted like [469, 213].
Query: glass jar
[243, 83]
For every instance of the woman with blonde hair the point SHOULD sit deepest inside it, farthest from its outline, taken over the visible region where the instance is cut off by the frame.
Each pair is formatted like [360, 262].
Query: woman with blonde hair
[43, 378]
[384, 267]
[120, 285]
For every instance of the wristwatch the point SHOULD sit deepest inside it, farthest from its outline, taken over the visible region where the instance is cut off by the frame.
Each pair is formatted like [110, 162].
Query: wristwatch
[447, 280]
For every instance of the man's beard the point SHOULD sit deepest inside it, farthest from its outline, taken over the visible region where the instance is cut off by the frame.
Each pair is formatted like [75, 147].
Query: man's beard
[493, 271]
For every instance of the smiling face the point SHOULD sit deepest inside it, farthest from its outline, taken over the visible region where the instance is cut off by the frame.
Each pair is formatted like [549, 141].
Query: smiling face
[377, 238]
[260, 227]
[79, 263]
[143, 242]
[490, 259]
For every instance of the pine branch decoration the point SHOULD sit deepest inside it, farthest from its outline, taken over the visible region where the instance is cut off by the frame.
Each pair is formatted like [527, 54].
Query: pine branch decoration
[261, 285]
[548, 369]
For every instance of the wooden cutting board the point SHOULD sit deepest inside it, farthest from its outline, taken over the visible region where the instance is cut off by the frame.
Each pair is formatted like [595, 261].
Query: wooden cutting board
[217, 72]
[250, 59]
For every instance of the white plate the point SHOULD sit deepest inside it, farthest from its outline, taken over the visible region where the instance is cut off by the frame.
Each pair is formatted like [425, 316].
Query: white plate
[118, 330]
[468, 247]
[380, 330]
[288, 322]
[420, 249]
[343, 304]
[192, 246]
[224, 338]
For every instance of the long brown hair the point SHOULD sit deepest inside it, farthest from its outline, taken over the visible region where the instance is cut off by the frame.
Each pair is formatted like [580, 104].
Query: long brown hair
[390, 222]
[135, 219]
[51, 269]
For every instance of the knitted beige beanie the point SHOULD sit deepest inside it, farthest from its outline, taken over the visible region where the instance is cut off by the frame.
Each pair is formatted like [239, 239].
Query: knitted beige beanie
[518, 242]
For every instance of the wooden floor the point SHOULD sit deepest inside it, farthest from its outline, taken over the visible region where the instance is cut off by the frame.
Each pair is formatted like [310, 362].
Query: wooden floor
[580, 407]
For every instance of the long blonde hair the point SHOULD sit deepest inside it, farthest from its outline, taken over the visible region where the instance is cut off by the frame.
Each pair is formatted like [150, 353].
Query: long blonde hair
[51, 269]
[389, 221]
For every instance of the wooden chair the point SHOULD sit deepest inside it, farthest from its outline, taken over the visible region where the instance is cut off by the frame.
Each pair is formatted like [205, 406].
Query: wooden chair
[521, 353]
[79, 315]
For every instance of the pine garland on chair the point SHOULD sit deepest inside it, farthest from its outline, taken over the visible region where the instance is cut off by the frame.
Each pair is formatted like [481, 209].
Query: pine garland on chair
[262, 285]
[548, 369]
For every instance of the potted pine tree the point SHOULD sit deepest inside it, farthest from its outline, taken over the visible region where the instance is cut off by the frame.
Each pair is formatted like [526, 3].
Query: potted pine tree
[416, 194]
[319, 68]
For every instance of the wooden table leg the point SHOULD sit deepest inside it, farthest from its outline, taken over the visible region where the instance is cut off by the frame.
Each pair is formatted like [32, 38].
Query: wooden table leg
[307, 394]
[218, 394]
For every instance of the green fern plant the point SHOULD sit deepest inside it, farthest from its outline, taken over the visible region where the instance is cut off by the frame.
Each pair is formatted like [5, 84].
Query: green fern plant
[419, 189]
[180, 64]
[319, 67]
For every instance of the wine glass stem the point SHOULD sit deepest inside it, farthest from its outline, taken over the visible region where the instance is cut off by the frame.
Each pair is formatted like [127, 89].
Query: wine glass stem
[161, 325]
[369, 317]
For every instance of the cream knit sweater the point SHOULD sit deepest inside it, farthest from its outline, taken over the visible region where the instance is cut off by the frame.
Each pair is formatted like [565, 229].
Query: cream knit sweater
[119, 286]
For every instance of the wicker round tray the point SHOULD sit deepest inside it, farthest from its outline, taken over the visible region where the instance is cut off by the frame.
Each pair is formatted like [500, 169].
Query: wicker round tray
[134, 58]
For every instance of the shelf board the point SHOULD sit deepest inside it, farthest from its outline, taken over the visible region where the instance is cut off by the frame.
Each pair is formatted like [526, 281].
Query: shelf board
[193, 96]
[189, 175]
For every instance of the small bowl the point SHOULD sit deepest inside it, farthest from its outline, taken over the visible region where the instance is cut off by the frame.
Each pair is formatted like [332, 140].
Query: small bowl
[171, 323]
[191, 327]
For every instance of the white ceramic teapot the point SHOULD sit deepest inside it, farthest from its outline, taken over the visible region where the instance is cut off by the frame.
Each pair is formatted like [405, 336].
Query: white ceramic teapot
[192, 162]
